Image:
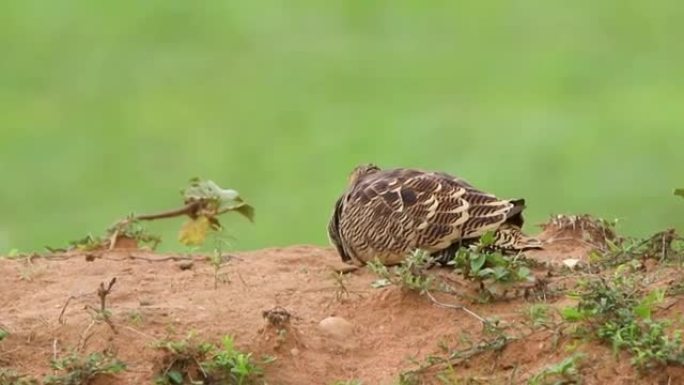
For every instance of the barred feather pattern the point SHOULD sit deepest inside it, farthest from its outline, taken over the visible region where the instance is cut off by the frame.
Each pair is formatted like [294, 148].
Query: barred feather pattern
[387, 214]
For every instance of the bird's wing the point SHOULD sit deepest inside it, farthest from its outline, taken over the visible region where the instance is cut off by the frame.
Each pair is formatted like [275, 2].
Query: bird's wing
[403, 209]
[334, 231]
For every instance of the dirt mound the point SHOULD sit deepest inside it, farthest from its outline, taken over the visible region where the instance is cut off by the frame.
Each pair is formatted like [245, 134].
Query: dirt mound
[288, 303]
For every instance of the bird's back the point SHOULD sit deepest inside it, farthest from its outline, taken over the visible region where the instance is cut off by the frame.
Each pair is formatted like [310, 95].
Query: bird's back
[387, 214]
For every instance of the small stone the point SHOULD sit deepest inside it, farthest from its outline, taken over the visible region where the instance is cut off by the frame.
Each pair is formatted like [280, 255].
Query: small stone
[571, 263]
[185, 265]
[294, 352]
[336, 327]
[145, 302]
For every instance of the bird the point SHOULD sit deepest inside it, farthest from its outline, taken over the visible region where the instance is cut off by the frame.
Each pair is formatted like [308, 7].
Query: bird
[387, 214]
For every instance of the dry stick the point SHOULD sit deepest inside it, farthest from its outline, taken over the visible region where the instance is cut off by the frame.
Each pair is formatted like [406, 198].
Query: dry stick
[7, 352]
[54, 349]
[170, 258]
[112, 239]
[458, 307]
[85, 336]
[139, 332]
[189, 209]
[61, 314]
[102, 293]
[200, 367]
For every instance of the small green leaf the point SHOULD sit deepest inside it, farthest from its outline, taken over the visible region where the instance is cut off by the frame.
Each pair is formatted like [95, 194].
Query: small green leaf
[175, 377]
[477, 262]
[572, 314]
[500, 273]
[644, 308]
[247, 211]
[485, 272]
[680, 192]
[523, 272]
[487, 239]
[643, 311]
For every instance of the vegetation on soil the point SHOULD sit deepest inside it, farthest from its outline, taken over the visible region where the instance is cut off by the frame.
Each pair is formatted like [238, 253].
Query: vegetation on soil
[73, 369]
[203, 202]
[188, 361]
[619, 312]
[410, 274]
[564, 372]
[616, 301]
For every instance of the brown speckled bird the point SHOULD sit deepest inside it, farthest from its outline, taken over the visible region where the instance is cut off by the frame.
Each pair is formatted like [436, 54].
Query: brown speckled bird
[387, 214]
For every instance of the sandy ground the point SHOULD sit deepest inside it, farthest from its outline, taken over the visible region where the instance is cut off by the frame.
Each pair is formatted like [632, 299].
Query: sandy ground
[391, 330]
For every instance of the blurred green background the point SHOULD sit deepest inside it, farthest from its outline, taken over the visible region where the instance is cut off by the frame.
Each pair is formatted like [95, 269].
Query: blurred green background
[110, 107]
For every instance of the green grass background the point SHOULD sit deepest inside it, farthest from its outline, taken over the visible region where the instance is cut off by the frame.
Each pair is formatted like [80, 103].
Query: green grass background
[109, 107]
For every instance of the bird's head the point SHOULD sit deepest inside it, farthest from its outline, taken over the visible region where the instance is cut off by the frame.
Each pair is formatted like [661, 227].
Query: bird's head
[361, 171]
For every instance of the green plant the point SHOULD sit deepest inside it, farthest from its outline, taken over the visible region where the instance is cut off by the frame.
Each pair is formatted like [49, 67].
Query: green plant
[495, 342]
[3, 334]
[11, 377]
[87, 243]
[229, 365]
[204, 202]
[539, 315]
[564, 372]
[182, 360]
[80, 370]
[132, 228]
[189, 361]
[410, 274]
[217, 259]
[135, 317]
[341, 290]
[679, 191]
[618, 313]
[483, 264]
[665, 245]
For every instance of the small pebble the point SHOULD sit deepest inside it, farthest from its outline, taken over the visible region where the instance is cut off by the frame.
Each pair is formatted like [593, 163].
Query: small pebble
[337, 327]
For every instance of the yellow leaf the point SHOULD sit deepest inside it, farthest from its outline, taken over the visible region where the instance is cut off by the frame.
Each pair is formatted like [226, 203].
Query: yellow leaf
[194, 232]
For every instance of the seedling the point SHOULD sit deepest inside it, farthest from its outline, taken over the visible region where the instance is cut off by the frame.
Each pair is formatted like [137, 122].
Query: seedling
[409, 275]
[11, 377]
[341, 291]
[539, 315]
[190, 362]
[182, 361]
[230, 366]
[217, 260]
[79, 370]
[564, 372]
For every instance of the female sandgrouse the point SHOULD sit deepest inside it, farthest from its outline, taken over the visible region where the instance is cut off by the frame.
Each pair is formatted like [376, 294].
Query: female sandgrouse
[387, 214]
